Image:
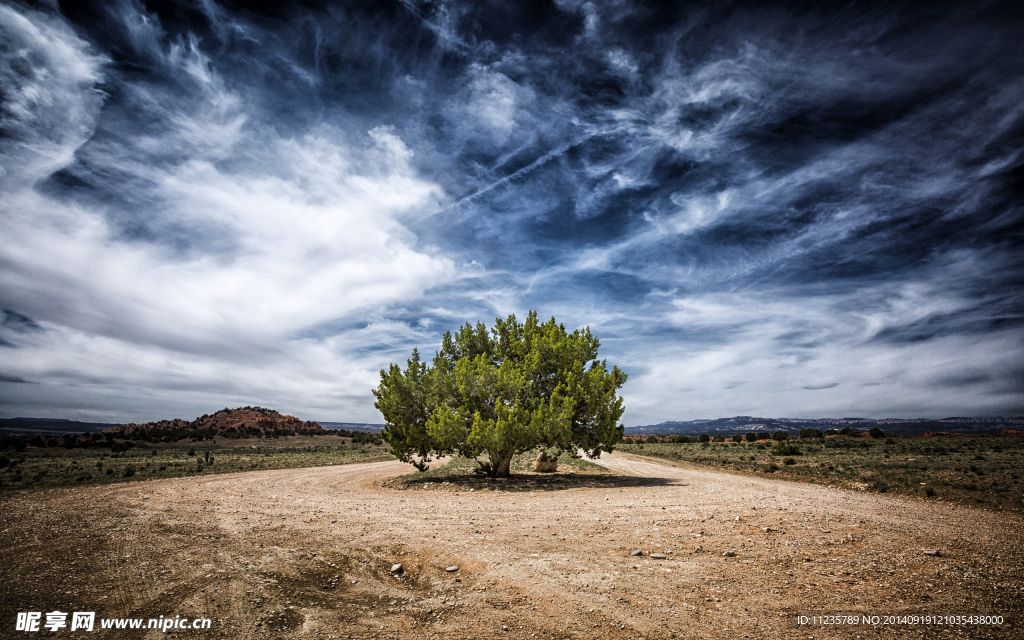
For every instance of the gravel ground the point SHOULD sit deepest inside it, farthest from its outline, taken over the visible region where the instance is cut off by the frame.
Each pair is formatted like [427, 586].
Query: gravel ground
[308, 553]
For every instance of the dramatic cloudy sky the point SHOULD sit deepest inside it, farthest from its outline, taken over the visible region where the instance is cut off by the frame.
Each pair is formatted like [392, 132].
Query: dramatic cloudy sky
[758, 210]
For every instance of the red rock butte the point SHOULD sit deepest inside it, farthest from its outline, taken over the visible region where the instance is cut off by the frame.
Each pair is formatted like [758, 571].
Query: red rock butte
[245, 421]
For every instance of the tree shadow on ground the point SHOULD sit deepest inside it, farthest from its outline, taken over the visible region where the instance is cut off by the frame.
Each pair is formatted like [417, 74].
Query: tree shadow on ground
[525, 482]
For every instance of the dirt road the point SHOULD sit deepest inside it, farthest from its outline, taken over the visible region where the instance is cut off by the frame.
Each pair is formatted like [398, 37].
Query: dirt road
[307, 553]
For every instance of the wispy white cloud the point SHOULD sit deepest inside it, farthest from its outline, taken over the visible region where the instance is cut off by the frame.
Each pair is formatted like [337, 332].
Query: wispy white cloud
[314, 225]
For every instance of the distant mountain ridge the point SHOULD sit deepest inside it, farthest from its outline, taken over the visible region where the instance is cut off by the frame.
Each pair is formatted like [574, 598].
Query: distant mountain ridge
[896, 426]
[369, 427]
[47, 426]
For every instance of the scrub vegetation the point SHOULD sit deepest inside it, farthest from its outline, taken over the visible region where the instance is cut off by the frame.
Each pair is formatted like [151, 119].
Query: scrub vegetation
[976, 469]
[40, 467]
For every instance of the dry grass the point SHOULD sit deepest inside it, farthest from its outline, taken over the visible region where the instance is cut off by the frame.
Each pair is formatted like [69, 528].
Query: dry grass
[977, 469]
[43, 468]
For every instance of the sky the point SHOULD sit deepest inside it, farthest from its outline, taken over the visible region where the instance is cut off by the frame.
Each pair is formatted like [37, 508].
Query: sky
[759, 210]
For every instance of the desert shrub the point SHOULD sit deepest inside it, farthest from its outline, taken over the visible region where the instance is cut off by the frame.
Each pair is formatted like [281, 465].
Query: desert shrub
[772, 468]
[751, 437]
[682, 439]
[737, 438]
[877, 433]
[764, 435]
[191, 451]
[779, 436]
[4, 461]
[928, 491]
[110, 471]
[129, 471]
[789, 461]
[810, 433]
[704, 437]
[784, 448]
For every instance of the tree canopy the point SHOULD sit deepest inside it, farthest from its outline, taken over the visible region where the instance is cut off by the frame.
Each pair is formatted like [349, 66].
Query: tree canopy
[500, 392]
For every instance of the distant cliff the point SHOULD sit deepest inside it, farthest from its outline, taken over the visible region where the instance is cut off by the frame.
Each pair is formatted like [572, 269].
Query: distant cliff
[897, 426]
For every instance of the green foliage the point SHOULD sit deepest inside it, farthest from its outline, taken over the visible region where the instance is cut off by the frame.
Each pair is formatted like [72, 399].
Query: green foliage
[704, 437]
[779, 436]
[751, 437]
[810, 433]
[682, 439]
[877, 433]
[500, 392]
[784, 448]
[737, 438]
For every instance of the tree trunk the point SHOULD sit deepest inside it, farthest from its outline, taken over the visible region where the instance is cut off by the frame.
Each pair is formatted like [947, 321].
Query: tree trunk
[503, 468]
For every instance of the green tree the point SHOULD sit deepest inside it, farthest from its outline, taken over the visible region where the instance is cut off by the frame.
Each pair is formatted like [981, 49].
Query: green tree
[503, 391]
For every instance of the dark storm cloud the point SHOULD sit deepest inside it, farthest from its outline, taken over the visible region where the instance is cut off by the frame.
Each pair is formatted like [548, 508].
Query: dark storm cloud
[800, 200]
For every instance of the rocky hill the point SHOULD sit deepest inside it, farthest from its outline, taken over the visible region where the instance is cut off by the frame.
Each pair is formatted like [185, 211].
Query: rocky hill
[244, 422]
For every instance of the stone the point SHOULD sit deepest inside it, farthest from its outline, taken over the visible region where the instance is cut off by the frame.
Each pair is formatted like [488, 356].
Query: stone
[452, 569]
[396, 568]
[545, 466]
[659, 556]
[931, 552]
[637, 552]
[729, 554]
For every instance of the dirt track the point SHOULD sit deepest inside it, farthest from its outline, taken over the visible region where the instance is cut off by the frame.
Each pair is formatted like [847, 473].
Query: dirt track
[307, 553]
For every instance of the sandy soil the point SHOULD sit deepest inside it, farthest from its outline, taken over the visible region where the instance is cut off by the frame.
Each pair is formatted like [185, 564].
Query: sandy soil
[307, 553]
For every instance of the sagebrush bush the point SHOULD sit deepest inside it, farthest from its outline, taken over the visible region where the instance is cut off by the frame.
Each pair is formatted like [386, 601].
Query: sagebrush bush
[784, 448]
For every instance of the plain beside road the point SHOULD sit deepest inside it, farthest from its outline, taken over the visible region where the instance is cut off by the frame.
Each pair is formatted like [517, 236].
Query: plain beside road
[307, 553]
